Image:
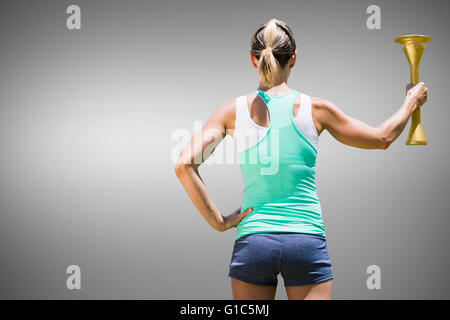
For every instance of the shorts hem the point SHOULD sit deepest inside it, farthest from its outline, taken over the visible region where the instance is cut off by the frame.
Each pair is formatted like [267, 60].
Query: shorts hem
[261, 283]
[308, 282]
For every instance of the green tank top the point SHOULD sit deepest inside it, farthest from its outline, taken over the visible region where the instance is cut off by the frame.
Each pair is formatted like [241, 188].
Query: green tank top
[279, 175]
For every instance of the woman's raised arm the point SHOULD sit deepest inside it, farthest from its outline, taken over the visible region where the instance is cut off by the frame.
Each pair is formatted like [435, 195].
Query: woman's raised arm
[358, 134]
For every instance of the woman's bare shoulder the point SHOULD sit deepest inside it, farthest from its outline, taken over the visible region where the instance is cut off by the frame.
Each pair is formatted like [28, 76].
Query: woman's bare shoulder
[226, 113]
[324, 108]
[320, 103]
[321, 111]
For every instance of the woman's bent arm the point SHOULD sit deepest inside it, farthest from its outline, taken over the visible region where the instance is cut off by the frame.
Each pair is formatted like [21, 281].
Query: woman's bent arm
[358, 134]
[199, 148]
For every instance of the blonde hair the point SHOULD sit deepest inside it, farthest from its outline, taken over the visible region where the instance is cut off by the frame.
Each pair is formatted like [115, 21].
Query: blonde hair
[273, 45]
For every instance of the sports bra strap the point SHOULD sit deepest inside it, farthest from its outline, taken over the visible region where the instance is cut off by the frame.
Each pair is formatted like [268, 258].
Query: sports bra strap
[280, 108]
[264, 96]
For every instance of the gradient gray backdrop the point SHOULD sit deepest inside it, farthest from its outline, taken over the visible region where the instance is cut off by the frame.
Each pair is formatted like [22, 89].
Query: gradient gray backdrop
[86, 171]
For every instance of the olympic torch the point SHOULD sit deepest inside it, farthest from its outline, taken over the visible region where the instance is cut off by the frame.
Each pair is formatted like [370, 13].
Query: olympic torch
[413, 46]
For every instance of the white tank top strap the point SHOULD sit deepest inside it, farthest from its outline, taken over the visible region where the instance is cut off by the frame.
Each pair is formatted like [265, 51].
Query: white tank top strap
[305, 122]
[246, 131]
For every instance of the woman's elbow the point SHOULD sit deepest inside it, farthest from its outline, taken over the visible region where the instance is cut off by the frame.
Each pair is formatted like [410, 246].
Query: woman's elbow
[385, 141]
[384, 145]
[180, 168]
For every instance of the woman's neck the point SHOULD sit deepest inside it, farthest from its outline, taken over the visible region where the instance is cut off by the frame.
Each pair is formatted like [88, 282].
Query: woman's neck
[276, 88]
[279, 83]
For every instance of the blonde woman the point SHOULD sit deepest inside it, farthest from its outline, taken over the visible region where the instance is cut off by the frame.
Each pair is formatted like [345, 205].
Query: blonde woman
[280, 229]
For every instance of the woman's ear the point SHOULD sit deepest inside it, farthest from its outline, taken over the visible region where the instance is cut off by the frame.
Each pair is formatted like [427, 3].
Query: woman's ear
[293, 59]
[253, 60]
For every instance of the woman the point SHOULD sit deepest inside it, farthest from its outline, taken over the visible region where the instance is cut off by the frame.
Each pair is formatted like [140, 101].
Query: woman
[280, 229]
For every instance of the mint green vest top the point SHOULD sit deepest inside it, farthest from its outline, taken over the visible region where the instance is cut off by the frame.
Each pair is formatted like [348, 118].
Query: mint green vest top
[279, 175]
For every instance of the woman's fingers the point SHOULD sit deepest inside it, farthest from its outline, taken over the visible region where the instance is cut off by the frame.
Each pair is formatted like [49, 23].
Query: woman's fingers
[419, 90]
[408, 87]
[246, 212]
[242, 215]
[236, 217]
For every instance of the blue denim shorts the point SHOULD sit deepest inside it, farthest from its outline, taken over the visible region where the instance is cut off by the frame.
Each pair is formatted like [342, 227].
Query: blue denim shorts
[300, 258]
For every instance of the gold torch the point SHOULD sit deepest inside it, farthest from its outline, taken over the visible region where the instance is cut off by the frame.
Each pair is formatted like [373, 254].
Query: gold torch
[413, 46]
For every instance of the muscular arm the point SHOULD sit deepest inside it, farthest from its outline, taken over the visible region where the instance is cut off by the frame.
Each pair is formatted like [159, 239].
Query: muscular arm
[358, 134]
[199, 148]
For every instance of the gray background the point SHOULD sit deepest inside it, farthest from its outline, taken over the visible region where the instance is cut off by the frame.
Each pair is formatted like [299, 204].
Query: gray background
[86, 170]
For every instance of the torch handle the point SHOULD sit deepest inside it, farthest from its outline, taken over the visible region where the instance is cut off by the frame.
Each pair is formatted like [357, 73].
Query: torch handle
[414, 71]
[415, 117]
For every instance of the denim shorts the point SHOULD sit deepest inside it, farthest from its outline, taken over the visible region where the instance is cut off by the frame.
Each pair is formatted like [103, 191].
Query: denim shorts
[300, 258]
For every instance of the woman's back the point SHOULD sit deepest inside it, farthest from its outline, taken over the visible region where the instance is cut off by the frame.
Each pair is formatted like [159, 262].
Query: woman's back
[252, 120]
[278, 168]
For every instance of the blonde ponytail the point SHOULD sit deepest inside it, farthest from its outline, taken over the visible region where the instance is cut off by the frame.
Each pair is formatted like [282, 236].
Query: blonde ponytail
[272, 44]
[267, 66]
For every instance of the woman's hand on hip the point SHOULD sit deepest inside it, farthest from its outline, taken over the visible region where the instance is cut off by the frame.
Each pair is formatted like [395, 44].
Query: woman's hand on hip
[233, 219]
